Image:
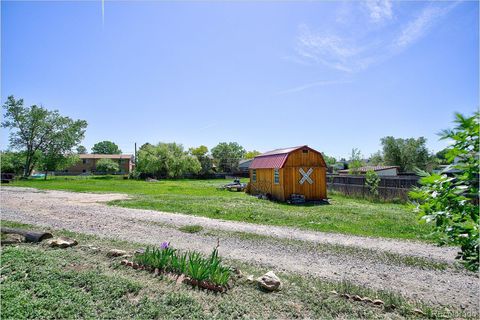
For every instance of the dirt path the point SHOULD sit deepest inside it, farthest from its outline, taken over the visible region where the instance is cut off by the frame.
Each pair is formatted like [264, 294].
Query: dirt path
[330, 256]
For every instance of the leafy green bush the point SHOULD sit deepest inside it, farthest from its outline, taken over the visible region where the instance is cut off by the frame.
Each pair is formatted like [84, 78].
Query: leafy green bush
[107, 166]
[449, 200]
[191, 263]
[372, 180]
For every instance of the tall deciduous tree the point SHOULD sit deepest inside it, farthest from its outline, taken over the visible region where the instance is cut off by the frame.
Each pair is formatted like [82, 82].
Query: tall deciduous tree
[355, 161]
[37, 131]
[376, 159]
[330, 161]
[408, 154]
[166, 160]
[106, 147]
[252, 154]
[228, 155]
[81, 150]
[201, 153]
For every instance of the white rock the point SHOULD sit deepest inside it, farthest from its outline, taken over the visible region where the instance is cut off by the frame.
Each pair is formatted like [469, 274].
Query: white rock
[62, 242]
[269, 281]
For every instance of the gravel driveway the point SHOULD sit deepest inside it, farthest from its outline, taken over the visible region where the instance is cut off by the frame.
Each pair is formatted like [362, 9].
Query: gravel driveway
[330, 256]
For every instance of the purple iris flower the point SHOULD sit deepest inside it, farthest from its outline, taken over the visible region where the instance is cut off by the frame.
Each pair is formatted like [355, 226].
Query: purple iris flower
[165, 245]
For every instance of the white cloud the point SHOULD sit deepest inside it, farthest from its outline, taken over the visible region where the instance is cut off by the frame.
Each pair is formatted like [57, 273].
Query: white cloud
[327, 49]
[418, 27]
[311, 85]
[379, 10]
[362, 47]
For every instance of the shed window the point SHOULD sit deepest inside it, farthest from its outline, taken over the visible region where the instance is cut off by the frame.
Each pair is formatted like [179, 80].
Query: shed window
[305, 150]
[254, 175]
[84, 161]
[276, 176]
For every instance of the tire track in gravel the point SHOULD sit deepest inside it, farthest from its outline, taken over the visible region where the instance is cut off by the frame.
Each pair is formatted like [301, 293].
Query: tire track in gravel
[82, 212]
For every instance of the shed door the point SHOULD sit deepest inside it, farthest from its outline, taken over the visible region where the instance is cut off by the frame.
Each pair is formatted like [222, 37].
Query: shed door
[309, 181]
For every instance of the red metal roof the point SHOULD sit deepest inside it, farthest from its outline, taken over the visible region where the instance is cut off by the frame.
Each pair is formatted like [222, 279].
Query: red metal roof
[274, 159]
[270, 161]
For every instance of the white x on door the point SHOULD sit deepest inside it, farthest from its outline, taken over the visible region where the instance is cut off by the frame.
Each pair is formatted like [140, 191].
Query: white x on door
[305, 176]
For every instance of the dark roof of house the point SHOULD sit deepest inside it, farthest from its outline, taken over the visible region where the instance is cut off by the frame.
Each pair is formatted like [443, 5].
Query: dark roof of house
[245, 162]
[368, 168]
[274, 159]
[105, 156]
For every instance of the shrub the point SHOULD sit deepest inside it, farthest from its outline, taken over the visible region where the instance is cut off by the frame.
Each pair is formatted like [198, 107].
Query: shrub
[450, 201]
[107, 166]
[372, 180]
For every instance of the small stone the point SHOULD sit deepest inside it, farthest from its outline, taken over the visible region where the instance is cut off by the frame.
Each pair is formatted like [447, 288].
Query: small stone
[62, 242]
[116, 253]
[378, 302]
[130, 263]
[269, 281]
[345, 295]
[356, 298]
[156, 272]
[124, 262]
[238, 272]
[250, 278]
[135, 265]
[333, 292]
[180, 279]
[367, 299]
[418, 311]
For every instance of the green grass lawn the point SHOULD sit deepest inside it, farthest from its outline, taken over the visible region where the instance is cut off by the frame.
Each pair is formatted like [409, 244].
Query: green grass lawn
[200, 197]
[38, 282]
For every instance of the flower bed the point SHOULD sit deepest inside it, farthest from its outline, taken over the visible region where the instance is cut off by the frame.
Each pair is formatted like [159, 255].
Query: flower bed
[205, 272]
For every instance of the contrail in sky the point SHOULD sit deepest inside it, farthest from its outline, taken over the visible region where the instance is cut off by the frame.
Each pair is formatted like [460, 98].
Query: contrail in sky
[103, 12]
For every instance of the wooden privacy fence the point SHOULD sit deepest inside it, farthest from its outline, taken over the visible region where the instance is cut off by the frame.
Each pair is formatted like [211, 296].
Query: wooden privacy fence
[389, 188]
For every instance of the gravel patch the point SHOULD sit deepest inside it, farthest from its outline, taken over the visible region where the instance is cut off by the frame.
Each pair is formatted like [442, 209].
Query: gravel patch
[87, 213]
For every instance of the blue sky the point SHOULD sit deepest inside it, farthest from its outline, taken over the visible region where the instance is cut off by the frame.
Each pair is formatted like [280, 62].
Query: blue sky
[333, 75]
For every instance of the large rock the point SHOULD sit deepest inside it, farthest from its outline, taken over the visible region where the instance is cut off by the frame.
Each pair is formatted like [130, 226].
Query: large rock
[62, 242]
[269, 282]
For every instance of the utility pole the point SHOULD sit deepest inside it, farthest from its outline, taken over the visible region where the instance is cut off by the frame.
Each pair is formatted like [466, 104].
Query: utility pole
[135, 154]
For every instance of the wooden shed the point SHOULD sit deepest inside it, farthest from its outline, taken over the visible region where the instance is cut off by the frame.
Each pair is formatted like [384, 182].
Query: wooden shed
[283, 172]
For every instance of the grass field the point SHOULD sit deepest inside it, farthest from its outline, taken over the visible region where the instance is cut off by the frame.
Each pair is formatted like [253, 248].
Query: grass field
[82, 282]
[200, 197]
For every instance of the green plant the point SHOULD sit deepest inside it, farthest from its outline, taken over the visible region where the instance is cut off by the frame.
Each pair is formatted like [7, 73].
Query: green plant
[36, 131]
[355, 162]
[107, 166]
[372, 181]
[450, 202]
[106, 147]
[192, 263]
[166, 160]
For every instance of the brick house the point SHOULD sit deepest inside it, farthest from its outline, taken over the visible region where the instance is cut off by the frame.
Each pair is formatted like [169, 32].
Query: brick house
[88, 163]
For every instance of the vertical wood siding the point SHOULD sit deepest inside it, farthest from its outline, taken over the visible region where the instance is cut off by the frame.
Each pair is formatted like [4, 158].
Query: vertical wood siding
[290, 176]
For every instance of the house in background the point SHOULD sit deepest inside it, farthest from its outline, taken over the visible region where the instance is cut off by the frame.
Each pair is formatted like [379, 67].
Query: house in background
[380, 170]
[88, 163]
[282, 173]
[244, 164]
